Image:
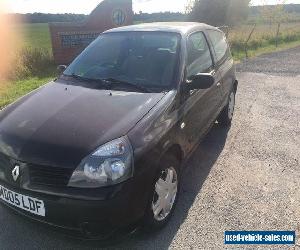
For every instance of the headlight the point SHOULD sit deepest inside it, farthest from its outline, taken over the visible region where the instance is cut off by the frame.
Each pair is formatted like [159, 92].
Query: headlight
[110, 164]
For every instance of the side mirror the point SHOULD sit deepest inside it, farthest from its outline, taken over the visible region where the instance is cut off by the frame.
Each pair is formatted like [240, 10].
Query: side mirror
[200, 81]
[61, 69]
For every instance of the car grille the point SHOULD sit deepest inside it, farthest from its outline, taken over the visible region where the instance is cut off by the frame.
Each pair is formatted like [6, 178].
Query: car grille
[4, 164]
[49, 176]
[4, 161]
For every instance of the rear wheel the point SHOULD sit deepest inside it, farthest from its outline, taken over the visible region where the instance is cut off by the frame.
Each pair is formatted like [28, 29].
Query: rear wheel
[227, 113]
[164, 194]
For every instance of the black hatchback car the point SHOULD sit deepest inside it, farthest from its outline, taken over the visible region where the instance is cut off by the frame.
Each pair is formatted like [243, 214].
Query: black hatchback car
[102, 147]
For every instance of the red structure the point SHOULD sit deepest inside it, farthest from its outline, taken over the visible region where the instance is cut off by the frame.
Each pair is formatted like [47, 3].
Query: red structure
[69, 39]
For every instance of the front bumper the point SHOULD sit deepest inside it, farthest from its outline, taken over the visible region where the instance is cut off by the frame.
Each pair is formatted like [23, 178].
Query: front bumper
[123, 206]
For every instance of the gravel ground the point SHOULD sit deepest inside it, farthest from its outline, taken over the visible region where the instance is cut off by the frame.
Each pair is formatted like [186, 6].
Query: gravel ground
[283, 63]
[246, 178]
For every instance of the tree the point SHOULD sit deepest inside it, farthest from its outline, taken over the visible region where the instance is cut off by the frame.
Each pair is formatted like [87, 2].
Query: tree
[218, 12]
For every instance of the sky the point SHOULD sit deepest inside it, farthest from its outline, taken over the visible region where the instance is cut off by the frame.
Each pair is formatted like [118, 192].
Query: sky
[86, 6]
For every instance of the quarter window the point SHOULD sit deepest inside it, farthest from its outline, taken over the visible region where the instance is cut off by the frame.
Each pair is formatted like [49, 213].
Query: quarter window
[219, 43]
[199, 57]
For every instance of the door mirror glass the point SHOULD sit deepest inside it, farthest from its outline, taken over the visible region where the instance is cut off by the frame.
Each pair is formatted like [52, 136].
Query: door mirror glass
[200, 81]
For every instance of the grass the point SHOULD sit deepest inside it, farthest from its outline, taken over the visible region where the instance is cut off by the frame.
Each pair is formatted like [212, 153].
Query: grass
[35, 66]
[263, 39]
[9, 92]
[34, 63]
[34, 35]
[239, 56]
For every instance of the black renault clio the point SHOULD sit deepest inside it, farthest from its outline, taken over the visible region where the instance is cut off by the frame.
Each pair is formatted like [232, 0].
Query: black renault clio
[103, 146]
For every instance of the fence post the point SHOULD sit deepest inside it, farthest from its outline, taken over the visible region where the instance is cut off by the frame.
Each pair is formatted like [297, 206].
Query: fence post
[277, 34]
[248, 39]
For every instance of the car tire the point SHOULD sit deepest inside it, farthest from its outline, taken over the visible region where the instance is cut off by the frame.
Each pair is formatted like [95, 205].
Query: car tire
[225, 117]
[164, 194]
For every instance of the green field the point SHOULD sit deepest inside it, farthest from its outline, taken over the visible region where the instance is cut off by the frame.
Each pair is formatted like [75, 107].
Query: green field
[34, 35]
[34, 65]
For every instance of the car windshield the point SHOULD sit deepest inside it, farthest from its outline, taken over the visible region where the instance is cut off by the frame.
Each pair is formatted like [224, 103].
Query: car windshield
[141, 59]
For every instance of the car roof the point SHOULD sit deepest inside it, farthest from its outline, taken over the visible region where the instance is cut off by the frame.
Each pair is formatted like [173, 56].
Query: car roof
[178, 27]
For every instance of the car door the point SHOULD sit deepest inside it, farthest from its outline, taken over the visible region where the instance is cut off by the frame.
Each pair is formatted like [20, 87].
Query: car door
[199, 105]
[223, 61]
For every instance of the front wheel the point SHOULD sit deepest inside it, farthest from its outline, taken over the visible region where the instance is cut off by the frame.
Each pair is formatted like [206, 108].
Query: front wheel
[164, 194]
[227, 113]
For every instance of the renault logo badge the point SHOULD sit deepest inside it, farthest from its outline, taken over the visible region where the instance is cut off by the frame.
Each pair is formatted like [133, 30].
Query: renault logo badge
[16, 172]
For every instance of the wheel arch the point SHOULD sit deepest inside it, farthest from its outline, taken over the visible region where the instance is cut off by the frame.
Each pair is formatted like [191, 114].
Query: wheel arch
[175, 150]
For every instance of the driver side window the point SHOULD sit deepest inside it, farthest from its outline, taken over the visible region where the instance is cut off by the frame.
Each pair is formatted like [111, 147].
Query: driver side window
[199, 57]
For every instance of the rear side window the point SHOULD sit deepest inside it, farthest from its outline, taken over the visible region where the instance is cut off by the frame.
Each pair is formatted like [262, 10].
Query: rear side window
[199, 57]
[220, 45]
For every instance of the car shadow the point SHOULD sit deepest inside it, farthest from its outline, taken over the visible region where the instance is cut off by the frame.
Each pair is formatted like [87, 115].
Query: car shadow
[197, 170]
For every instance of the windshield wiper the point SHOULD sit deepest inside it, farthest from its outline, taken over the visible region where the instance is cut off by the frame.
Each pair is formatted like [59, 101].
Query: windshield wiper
[85, 78]
[129, 84]
[91, 80]
[109, 82]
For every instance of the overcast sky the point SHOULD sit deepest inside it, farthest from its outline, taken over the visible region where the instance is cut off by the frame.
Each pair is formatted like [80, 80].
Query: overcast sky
[86, 6]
